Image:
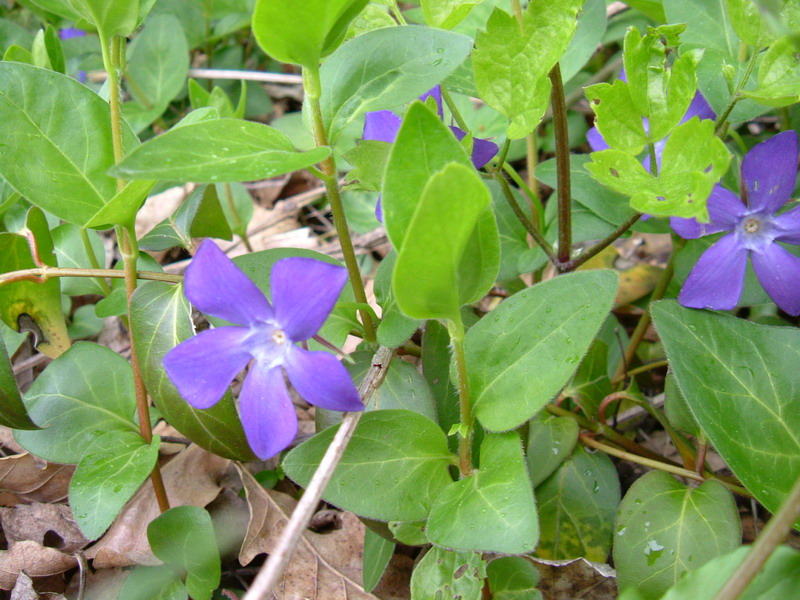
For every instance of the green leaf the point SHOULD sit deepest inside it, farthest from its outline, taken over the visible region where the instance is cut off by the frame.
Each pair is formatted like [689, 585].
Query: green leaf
[746, 20]
[707, 26]
[588, 35]
[42, 148]
[385, 473]
[550, 442]
[385, 68]
[409, 533]
[682, 187]
[207, 217]
[306, 31]
[18, 54]
[664, 529]
[446, 14]
[55, 52]
[424, 146]
[511, 61]
[576, 508]
[677, 409]
[777, 580]
[119, 17]
[71, 253]
[436, 370]
[713, 82]
[160, 320]
[778, 75]
[617, 118]
[184, 536]
[122, 208]
[154, 583]
[733, 372]
[378, 552]
[511, 375]
[513, 578]
[428, 280]
[217, 151]
[516, 255]
[394, 328]
[29, 305]
[492, 510]
[445, 574]
[84, 393]
[12, 410]
[369, 163]
[84, 323]
[108, 475]
[235, 196]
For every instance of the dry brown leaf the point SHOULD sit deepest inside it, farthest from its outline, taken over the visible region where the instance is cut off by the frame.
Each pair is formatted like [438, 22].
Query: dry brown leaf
[323, 566]
[28, 479]
[7, 440]
[24, 590]
[51, 525]
[578, 578]
[395, 584]
[191, 478]
[36, 560]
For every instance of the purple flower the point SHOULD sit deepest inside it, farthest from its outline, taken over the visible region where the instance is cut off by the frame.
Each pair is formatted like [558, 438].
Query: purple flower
[383, 125]
[769, 172]
[67, 33]
[304, 292]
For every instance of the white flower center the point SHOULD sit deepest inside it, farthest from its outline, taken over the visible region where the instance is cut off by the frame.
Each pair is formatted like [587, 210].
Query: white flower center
[752, 225]
[279, 337]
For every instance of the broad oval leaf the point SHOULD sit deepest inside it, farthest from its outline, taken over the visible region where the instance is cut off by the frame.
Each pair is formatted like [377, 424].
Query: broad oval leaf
[664, 529]
[522, 353]
[493, 509]
[160, 320]
[550, 442]
[385, 68]
[385, 473]
[740, 381]
[43, 158]
[217, 151]
[446, 574]
[12, 410]
[84, 393]
[113, 468]
[576, 508]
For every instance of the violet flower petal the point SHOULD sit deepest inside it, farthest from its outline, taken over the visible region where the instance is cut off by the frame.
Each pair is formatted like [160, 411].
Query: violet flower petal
[216, 286]
[304, 292]
[482, 150]
[724, 211]
[381, 125]
[203, 366]
[596, 141]
[778, 270]
[787, 226]
[436, 93]
[717, 280]
[699, 107]
[322, 380]
[266, 411]
[67, 33]
[770, 171]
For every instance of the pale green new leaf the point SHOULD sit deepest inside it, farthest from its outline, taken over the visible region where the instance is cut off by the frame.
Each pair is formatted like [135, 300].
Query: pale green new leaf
[778, 75]
[616, 117]
[446, 13]
[747, 22]
[117, 17]
[511, 61]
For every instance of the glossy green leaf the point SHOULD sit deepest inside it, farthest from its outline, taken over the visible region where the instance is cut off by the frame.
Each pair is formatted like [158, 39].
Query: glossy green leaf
[617, 118]
[493, 509]
[184, 536]
[122, 208]
[119, 17]
[436, 370]
[161, 319]
[207, 217]
[378, 552]
[369, 159]
[716, 87]
[385, 68]
[303, 32]
[71, 253]
[63, 173]
[513, 578]
[84, 393]
[411, 533]
[18, 54]
[28, 305]
[217, 151]
[522, 353]
[707, 26]
[516, 254]
[424, 146]
[733, 372]
[777, 580]
[55, 52]
[550, 442]
[446, 574]
[591, 383]
[238, 206]
[395, 327]
[664, 529]
[778, 75]
[84, 323]
[154, 583]
[385, 473]
[428, 281]
[108, 475]
[685, 181]
[12, 410]
[511, 62]
[746, 20]
[677, 409]
[446, 13]
[576, 508]
[588, 35]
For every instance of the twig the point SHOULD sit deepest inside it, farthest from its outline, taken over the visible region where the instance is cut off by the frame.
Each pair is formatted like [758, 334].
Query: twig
[273, 569]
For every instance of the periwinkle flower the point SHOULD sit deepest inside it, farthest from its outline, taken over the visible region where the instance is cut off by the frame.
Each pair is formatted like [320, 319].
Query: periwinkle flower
[769, 171]
[304, 291]
[383, 125]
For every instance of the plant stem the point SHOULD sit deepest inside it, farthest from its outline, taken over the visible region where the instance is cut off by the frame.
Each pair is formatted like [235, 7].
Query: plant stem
[237, 218]
[114, 54]
[448, 99]
[456, 330]
[330, 179]
[516, 7]
[42, 274]
[535, 201]
[87, 246]
[735, 97]
[534, 233]
[532, 160]
[270, 574]
[562, 164]
[600, 246]
[651, 148]
[397, 13]
[657, 364]
[774, 533]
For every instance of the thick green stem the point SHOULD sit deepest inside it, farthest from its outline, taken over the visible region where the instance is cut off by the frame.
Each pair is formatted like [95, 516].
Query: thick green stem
[331, 181]
[774, 533]
[600, 246]
[532, 160]
[562, 165]
[534, 233]
[456, 330]
[87, 246]
[42, 274]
